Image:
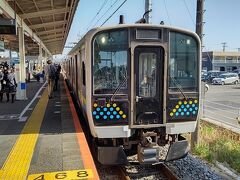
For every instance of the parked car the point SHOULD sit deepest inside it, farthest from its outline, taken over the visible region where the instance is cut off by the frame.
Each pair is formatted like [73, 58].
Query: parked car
[227, 78]
[237, 71]
[211, 75]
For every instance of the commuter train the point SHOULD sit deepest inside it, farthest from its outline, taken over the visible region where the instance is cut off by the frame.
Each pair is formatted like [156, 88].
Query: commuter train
[138, 87]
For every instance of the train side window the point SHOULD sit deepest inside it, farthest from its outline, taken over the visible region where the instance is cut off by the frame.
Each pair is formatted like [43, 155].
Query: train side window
[83, 74]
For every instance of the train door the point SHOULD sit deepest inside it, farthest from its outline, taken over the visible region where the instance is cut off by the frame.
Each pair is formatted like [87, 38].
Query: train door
[76, 74]
[149, 85]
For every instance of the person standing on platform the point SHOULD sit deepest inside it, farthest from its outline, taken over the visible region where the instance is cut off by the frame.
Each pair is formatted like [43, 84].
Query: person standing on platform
[12, 84]
[57, 77]
[50, 73]
[5, 83]
[1, 82]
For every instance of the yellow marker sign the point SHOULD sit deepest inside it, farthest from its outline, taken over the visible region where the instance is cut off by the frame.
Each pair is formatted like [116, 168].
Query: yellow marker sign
[74, 174]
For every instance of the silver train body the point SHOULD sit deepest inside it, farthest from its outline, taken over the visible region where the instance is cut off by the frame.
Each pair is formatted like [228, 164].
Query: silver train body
[138, 88]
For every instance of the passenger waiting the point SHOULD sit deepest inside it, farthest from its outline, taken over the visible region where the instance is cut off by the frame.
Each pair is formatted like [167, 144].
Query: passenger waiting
[50, 73]
[57, 77]
[5, 83]
[12, 84]
[1, 81]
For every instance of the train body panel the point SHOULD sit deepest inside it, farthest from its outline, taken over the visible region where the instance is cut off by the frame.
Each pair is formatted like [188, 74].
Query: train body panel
[135, 83]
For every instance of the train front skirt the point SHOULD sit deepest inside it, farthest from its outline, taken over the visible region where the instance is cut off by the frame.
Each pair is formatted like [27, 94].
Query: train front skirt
[145, 155]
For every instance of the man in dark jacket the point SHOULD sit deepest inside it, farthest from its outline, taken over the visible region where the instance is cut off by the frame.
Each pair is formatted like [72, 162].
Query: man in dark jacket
[50, 73]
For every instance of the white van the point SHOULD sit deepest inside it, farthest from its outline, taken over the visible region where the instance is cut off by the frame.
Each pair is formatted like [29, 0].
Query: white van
[227, 78]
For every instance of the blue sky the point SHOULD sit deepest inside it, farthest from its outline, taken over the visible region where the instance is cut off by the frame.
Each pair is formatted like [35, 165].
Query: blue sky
[220, 17]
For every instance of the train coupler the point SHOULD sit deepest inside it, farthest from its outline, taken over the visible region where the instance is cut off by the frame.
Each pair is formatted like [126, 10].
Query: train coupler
[148, 155]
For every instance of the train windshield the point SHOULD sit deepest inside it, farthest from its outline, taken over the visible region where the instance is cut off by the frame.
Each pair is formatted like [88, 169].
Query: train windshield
[110, 62]
[183, 63]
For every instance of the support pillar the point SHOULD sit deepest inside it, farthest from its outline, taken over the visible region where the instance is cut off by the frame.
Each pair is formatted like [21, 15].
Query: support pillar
[21, 91]
[40, 56]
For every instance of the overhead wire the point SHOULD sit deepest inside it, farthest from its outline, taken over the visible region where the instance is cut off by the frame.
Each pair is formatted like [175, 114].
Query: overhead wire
[167, 12]
[114, 12]
[106, 12]
[189, 12]
[89, 26]
[104, 3]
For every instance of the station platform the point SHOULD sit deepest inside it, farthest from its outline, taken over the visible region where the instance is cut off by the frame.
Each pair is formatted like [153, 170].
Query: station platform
[42, 138]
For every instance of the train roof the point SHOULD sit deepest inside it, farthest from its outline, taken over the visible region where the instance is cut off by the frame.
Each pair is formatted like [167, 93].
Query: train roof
[93, 31]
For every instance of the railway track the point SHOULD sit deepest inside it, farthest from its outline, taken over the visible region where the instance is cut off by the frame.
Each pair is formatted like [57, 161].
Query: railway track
[159, 171]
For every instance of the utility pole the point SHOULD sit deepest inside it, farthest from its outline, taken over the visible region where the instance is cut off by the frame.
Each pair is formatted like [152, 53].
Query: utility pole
[148, 8]
[199, 19]
[199, 31]
[224, 46]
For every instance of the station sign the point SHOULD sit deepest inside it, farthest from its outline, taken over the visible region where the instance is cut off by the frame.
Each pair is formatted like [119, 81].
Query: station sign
[1, 46]
[8, 26]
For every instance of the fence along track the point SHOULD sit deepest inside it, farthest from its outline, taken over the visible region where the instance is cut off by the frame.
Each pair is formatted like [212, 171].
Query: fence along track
[221, 112]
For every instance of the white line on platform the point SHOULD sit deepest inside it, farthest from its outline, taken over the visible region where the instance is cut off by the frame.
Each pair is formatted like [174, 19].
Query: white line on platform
[9, 117]
[23, 119]
[26, 108]
[57, 105]
[57, 112]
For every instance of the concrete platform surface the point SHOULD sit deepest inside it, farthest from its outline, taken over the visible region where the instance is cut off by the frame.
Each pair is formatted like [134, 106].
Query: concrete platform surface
[46, 145]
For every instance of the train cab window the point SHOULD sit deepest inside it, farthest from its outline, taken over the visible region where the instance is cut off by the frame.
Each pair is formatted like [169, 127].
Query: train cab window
[110, 62]
[147, 74]
[183, 63]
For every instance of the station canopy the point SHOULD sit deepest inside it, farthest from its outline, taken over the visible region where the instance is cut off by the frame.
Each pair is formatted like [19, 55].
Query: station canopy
[50, 20]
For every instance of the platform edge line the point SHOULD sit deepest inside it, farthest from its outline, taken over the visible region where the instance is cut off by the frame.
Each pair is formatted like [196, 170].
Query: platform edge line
[82, 142]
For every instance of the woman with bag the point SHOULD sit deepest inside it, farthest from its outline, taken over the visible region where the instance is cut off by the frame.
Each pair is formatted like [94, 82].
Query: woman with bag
[12, 84]
[1, 82]
[5, 84]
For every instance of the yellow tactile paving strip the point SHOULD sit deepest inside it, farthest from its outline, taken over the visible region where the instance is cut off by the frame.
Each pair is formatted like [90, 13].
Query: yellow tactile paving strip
[18, 161]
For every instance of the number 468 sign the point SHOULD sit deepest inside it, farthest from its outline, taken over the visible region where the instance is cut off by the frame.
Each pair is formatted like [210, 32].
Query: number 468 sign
[74, 174]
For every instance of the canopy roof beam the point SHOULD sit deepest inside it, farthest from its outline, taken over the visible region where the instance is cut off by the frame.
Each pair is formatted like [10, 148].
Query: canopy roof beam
[49, 24]
[53, 40]
[44, 13]
[56, 30]
[8, 10]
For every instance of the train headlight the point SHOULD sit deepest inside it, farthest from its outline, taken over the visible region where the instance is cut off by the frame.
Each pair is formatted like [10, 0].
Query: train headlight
[103, 40]
[188, 41]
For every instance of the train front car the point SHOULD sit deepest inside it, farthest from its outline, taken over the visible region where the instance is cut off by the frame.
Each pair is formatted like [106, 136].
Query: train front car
[145, 92]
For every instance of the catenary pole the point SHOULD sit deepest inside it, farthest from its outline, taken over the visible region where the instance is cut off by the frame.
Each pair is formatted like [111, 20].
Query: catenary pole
[199, 31]
[148, 8]
[224, 44]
